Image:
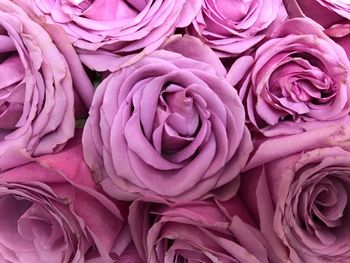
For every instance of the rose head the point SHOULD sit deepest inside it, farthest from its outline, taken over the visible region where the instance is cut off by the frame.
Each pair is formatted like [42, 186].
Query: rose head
[52, 211]
[301, 201]
[36, 94]
[232, 27]
[313, 213]
[297, 81]
[168, 125]
[200, 231]
[123, 27]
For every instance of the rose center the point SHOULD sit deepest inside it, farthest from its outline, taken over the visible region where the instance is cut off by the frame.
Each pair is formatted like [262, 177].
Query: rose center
[26, 225]
[297, 85]
[327, 203]
[178, 114]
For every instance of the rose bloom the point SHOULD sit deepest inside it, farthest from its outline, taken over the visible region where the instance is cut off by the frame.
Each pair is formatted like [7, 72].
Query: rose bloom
[309, 194]
[232, 27]
[296, 81]
[36, 91]
[122, 27]
[51, 211]
[199, 231]
[169, 125]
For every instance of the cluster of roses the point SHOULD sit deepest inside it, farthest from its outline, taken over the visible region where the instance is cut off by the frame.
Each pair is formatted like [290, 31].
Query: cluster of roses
[156, 131]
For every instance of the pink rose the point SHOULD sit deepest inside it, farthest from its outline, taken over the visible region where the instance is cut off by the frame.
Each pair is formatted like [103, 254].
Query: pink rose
[122, 27]
[232, 27]
[51, 211]
[202, 231]
[297, 81]
[37, 98]
[170, 125]
[310, 192]
[301, 202]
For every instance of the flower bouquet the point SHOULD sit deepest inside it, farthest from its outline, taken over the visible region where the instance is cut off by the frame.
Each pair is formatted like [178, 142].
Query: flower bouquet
[174, 131]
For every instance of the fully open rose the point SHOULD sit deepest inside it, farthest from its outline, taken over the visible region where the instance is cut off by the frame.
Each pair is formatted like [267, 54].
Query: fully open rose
[52, 212]
[313, 214]
[232, 27]
[297, 81]
[201, 231]
[124, 27]
[302, 202]
[36, 93]
[169, 125]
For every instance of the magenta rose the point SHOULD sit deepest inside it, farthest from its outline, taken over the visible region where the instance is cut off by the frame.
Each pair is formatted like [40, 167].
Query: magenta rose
[51, 211]
[232, 27]
[122, 27]
[200, 231]
[297, 81]
[37, 99]
[324, 12]
[169, 125]
[301, 200]
[313, 214]
[310, 192]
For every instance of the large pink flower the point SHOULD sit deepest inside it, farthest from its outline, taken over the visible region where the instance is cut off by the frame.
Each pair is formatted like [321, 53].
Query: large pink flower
[53, 212]
[36, 90]
[123, 27]
[201, 231]
[297, 81]
[309, 196]
[232, 27]
[301, 198]
[169, 125]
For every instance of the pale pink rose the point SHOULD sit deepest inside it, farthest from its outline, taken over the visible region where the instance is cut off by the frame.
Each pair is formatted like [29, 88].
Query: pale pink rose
[36, 90]
[303, 204]
[299, 197]
[297, 81]
[51, 211]
[124, 28]
[202, 231]
[232, 27]
[170, 125]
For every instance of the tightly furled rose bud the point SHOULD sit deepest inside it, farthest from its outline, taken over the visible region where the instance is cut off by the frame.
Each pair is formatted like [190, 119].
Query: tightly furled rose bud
[121, 27]
[232, 27]
[297, 81]
[53, 212]
[169, 125]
